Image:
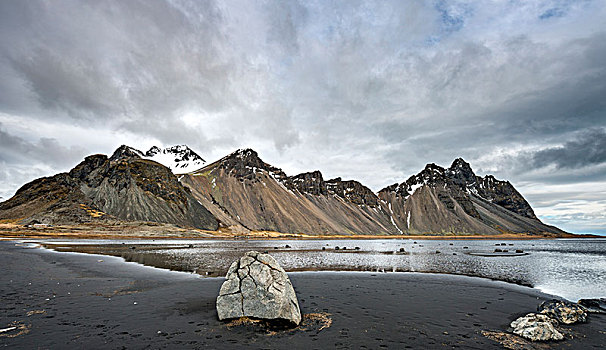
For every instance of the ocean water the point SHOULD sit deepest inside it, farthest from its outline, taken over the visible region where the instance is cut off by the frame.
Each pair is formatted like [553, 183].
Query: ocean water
[569, 268]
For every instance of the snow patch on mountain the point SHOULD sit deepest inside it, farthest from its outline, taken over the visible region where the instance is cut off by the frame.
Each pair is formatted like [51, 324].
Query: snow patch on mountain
[179, 159]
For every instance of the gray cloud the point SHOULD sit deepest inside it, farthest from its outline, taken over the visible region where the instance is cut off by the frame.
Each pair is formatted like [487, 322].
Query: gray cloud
[14, 149]
[588, 149]
[368, 90]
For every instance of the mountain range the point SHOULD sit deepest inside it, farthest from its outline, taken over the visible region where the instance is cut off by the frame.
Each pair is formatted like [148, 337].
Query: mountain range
[242, 192]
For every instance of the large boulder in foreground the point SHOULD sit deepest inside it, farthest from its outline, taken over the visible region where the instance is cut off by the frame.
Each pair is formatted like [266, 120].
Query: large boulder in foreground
[257, 287]
[563, 311]
[536, 327]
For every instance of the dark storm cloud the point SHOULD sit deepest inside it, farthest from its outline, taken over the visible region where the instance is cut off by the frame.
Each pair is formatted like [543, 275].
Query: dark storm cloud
[14, 149]
[588, 149]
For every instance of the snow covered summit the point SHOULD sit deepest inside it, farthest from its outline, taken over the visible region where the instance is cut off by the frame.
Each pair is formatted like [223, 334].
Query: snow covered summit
[180, 159]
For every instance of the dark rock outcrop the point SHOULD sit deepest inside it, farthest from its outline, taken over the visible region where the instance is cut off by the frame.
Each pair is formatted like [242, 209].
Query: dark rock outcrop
[597, 306]
[563, 311]
[352, 191]
[310, 183]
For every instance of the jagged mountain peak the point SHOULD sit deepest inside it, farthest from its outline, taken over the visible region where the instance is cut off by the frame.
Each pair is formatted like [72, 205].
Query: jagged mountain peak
[433, 167]
[245, 156]
[315, 175]
[125, 151]
[353, 191]
[245, 164]
[153, 150]
[461, 174]
[244, 153]
[460, 164]
[310, 182]
[180, 159]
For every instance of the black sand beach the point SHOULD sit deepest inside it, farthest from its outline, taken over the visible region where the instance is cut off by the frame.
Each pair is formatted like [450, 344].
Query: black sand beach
[65, 300]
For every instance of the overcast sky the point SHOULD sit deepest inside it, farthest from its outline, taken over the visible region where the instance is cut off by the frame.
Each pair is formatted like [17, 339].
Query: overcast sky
[370, 91]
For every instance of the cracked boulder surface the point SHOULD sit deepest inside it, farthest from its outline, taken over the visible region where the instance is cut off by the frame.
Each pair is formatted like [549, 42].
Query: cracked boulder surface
[257, 287]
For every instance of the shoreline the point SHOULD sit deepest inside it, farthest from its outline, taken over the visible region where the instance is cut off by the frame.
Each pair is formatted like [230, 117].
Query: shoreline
[289, 271]
[151, 230]
[13, 231]
[295, 272]
[144, 253]
[135, 306]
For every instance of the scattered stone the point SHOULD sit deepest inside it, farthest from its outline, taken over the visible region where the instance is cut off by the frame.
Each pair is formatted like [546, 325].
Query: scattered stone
[257, 287]
[536, 327]
[519, 251]
[190, 246]
[337, 248]
[35, 312]
[498, 250]
[563, 311]
[14, 330]
[287, 246]
[437, 252]
[323, 248]
[357, 248]
[509, 341]
[465, 247]
[450, 244]
[402, 250]
[597, 306]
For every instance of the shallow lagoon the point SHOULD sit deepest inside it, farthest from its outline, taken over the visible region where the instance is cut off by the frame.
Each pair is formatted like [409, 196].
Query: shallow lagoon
[570, 268]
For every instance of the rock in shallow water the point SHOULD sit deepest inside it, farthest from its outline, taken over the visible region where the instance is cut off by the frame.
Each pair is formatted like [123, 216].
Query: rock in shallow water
[256, 286]
[597, 306]
[536, 327]
[563, 311]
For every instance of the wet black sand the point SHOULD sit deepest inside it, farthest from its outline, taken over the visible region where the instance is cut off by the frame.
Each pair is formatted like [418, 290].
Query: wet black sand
[91, 304]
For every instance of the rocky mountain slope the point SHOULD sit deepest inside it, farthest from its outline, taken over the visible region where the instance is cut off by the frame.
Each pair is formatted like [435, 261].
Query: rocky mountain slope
[122, 187]
[455, 200]
[243, 191]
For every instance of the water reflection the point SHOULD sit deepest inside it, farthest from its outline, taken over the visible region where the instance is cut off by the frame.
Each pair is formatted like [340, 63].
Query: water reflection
[572, 268]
